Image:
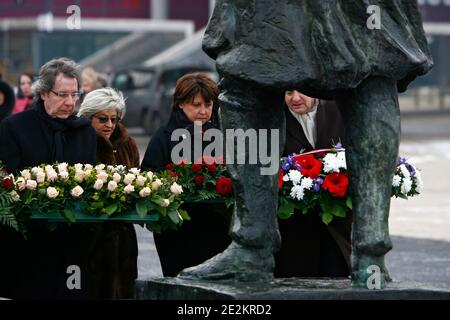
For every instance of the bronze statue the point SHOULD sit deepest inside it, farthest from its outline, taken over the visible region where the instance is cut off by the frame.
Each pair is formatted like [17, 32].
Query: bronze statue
[326, 49]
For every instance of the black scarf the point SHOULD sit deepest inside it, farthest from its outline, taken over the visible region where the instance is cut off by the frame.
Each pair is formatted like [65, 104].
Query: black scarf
[56, 136]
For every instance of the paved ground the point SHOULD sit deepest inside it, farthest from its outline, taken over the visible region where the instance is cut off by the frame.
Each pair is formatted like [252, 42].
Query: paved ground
[420, 227]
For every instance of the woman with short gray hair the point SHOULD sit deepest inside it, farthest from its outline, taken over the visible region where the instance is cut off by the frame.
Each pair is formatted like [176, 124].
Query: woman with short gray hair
[113, 254]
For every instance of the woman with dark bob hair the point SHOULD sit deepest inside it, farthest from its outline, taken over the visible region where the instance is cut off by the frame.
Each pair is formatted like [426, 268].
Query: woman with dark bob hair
[206, 234]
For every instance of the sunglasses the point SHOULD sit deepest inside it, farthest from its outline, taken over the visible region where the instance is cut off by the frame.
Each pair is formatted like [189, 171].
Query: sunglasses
[105, 119]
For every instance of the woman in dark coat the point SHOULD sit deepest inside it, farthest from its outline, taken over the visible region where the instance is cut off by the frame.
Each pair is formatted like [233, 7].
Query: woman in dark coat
[309, 248]
[206, 234]
[114, 250]
[36, 268]
[6, 100]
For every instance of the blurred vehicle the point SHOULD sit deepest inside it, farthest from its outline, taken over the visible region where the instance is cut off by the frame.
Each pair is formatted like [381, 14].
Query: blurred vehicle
[149, 92]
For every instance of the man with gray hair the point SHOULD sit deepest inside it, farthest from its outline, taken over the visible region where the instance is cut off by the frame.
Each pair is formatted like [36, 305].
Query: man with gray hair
[47, 133]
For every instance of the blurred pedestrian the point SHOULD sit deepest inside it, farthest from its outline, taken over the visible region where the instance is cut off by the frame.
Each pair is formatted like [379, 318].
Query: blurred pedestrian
[24, 99]
[6, 100]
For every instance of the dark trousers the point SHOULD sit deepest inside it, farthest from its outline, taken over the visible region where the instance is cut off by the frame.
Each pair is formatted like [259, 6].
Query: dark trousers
[197, 240]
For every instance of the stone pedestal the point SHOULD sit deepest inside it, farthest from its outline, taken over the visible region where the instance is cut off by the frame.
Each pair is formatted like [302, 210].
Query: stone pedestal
[280, 289]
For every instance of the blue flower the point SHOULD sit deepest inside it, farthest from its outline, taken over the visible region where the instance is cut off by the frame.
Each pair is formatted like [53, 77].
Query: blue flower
[286, 166]
[401, 160]
[318, 180]
[316, 187]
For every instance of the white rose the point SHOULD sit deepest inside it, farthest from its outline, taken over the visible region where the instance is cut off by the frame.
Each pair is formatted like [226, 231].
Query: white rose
[176, 189]
[100, 167]
[145, 192]
[165, 203]
[26, 174]
[79, 175]
[110, 168]
[35, 170]
[77, 191]
[120, 168]
[102, 175]
[112, 185]
[52, 175]
[150, 175]
[21, 184]
[31, 184]
[129, 178]
[156, 184]
[62, 167]
[52, 192]
[48, 168]
[128, 188]
[78, 167]
[87, 172]
[15, 196]
[40, 176]
[140, 181]
[98, 184]
[116, 177]
[64, 175]
[135, 171]
[88, 167]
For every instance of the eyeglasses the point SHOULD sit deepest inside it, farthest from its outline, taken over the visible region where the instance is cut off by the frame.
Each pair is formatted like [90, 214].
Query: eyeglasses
[65, 95]
[105, 119]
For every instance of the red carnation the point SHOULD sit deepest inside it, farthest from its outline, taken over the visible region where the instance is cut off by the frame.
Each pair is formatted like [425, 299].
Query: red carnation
[7, 183]
[169, 166]
[224, 186]
[311, 166]
[173, 174]
[336, 184]
[212, 168]
[196, 168]
[280, 180]
[199, 179]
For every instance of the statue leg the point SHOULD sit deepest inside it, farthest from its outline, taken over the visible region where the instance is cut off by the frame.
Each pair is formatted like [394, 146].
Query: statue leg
[372, 123]
[254, 227]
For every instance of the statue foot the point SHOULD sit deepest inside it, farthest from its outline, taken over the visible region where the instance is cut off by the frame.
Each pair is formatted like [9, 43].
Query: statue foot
[235, 263]
[370, 273]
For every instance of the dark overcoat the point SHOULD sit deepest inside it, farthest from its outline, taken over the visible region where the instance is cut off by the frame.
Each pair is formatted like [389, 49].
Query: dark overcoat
[114, 250]
[206, 234]
[309, 248]
[36, 268]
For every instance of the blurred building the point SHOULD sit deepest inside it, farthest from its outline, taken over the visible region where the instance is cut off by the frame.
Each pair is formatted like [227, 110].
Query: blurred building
[33, 32]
